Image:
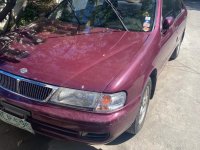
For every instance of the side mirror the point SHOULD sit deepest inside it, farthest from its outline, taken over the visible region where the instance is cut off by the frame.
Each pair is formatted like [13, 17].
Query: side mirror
[168, 22]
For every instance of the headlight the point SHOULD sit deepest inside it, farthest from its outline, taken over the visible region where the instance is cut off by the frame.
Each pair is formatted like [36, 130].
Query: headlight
[96, 101]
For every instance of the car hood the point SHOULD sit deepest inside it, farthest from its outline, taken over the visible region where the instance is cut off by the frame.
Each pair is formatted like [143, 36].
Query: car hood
[67, 55]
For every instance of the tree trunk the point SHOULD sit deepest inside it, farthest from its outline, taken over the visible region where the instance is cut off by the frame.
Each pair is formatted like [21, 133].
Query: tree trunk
[20, 12]
[7, 9]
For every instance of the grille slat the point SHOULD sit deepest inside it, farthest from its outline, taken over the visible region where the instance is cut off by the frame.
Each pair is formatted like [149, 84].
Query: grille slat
[34, 91]
[27, 88]
[8, 83]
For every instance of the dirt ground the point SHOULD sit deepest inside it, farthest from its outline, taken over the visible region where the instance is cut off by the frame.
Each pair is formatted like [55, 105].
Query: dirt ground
[173, 120]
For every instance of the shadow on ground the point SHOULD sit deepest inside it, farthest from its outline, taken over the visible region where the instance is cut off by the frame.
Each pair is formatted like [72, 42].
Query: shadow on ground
[16, 139]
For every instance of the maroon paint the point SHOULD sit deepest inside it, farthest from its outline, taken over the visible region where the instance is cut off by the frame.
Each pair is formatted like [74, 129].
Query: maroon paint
[104, 60]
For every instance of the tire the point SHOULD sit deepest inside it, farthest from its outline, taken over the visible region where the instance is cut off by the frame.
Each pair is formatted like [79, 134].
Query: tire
[140, 118]
[176, 52]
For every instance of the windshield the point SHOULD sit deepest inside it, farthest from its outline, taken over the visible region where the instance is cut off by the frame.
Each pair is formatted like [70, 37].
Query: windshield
[133, 15]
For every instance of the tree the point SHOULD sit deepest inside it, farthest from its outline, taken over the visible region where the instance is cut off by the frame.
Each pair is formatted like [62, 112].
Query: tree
[9, 5]
[26, 11]
[6, 14]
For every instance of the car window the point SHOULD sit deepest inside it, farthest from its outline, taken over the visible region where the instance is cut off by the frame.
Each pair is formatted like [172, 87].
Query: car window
[137, 15]
[177, 7]
[167, 8]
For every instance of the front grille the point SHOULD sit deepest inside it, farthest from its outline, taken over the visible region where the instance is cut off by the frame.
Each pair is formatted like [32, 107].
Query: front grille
[24, 87]
[34, 91]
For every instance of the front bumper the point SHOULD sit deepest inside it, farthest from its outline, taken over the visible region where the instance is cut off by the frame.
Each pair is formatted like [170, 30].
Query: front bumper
[70, 124]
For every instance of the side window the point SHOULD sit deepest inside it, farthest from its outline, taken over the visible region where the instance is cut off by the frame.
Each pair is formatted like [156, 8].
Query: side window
[178, 5]
[167, 8]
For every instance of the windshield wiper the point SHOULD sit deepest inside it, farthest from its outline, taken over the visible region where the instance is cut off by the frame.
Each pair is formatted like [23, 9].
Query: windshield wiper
[71, 6]
[117, 13]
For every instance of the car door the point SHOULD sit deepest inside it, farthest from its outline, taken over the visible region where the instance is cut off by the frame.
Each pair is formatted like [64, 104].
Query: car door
[169, 36]
[180, 18]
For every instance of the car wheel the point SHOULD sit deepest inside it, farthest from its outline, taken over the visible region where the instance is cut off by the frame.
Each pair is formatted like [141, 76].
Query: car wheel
[140, 118]
[177, 50]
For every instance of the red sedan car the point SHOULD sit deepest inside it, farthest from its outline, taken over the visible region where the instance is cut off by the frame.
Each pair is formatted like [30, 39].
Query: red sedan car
[87, 71]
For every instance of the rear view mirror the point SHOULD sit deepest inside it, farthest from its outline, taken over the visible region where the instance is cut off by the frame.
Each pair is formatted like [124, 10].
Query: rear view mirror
[168, 22]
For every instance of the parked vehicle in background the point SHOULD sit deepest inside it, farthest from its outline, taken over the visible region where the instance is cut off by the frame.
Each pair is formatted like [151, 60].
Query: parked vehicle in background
[88, 71]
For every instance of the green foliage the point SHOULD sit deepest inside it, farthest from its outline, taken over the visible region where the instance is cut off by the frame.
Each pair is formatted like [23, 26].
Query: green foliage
[34, 9]
[2, 2]
[31, 13]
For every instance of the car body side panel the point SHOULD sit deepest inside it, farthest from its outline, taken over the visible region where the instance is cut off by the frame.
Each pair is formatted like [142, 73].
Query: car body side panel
[134, 77]
[180, 23]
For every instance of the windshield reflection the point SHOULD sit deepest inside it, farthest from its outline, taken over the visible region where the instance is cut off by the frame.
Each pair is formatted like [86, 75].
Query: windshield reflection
[133, 15]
